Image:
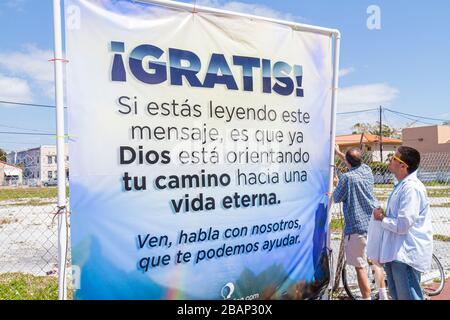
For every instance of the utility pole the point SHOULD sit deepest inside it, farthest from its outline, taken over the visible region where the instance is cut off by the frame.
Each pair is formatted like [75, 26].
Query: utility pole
[381, 134]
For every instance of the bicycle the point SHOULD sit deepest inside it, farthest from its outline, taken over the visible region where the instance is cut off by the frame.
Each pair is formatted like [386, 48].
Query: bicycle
[432, 281]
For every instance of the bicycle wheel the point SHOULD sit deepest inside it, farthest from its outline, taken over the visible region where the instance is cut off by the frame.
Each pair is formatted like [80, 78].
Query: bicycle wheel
[350, 282]
[433, 281]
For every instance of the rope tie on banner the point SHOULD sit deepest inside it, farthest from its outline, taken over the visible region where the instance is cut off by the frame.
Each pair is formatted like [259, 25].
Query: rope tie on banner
[61, 210]
[58, 59]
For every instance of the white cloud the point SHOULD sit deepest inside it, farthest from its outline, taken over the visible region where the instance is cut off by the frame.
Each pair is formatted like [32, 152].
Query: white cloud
[31, 63]
[361, 97]
[251, 8]
[369, 96]
[14, 89]
[346, 71]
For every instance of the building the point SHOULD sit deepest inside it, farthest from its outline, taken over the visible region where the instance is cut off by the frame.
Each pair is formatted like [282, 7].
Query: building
[10, 175]
[369, 143]
[39, 164]
[428, 139]
[11, 157]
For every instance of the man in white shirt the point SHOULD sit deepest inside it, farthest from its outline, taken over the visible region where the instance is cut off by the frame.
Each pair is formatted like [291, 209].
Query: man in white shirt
[407, 236]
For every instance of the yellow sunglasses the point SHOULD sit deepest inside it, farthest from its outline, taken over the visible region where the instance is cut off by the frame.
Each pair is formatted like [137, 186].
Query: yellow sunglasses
[398, 159]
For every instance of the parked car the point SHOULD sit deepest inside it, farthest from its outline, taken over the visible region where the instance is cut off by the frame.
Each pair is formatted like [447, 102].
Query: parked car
[51, 182]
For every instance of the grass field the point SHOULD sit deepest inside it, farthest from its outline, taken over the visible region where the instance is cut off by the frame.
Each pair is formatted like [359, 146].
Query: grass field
[19, 286]
[439, 193]
[27, 193]
[441, 205]
[337, 225]
[22, 286]
[32, 203]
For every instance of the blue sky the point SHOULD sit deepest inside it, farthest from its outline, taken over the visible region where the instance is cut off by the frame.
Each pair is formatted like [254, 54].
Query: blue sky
[404, 65]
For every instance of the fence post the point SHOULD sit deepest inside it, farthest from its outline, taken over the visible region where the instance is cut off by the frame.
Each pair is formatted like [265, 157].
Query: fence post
[61, 174]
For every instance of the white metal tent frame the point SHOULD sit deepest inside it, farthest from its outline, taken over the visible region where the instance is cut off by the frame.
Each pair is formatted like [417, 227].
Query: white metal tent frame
[60, 136]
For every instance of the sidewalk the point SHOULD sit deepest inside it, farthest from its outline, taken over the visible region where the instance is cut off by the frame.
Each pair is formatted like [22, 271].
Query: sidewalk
[445, 294]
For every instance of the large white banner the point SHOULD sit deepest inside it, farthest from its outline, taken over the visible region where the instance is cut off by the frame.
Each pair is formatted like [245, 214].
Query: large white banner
[199, 153]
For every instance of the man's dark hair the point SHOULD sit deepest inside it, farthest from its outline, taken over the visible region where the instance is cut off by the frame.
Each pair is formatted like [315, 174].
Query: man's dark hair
[354, 157]
[411, 157]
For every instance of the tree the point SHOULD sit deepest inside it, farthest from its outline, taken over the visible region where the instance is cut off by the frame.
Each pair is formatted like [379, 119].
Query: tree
[386, 131]
[359, 128]
[3, 155]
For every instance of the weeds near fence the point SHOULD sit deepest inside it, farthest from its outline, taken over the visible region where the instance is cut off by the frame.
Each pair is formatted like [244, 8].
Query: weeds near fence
[20, 286]
[32, 203]
[441, 205]
[439, 193]
[336, 224]
[440, 237]
[4, 221]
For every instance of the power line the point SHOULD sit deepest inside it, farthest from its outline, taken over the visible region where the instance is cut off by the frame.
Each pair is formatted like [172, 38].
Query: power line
[359, 111]
[415, 116]
[15, 142]
[29, 104]
[390, 124]
[28, 133]
[412, 119]
[384, 118]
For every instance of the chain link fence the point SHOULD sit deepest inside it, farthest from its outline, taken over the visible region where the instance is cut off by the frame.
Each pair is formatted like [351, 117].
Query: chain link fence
[28, 217]
[434, 172]
[29, 228]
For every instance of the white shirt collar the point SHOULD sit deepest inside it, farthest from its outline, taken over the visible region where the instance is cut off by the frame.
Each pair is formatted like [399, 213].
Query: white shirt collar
[412, 176]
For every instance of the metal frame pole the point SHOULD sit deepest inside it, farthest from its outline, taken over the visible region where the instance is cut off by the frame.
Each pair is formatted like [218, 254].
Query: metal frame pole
[61, 174]
[334, 90]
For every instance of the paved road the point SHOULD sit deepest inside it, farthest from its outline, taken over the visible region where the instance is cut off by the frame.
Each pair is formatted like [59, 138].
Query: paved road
[445, 295]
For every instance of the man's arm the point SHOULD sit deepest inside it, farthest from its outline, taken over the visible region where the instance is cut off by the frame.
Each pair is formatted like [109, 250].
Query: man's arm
[340, 193]
[338, 152]
[408, 211]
